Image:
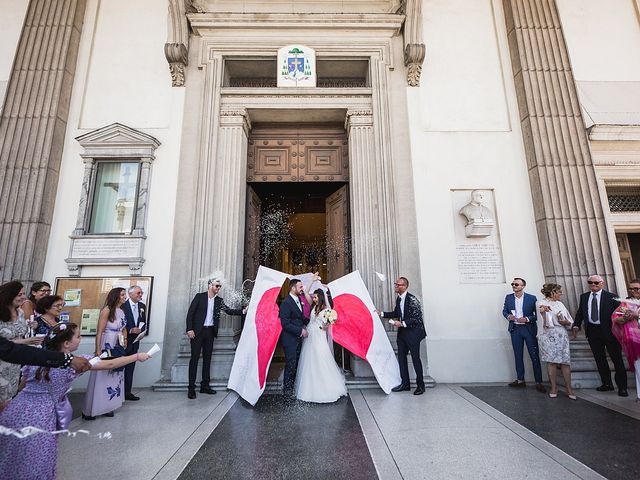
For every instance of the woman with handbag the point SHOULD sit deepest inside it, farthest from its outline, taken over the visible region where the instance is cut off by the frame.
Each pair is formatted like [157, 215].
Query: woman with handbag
[105, 391]
[43, 404]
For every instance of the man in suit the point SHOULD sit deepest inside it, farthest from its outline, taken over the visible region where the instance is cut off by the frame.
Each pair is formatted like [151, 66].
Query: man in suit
[520, 309]
[203, 320]
[595, 310]
[136, 314]
[293, 324]
[408, 315]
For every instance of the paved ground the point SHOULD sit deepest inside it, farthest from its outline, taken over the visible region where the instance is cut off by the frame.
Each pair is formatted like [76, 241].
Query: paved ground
[451, 432]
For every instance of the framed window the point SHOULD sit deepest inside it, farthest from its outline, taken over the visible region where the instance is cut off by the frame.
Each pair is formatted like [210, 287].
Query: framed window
[115, 193]
[112, 212]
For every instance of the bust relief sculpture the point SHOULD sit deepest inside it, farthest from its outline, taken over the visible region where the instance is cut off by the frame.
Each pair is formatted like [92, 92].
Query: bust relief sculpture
[480, 219]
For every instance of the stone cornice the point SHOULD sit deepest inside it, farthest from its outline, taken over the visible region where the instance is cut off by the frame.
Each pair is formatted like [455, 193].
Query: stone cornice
[204, 23]
[614, 132]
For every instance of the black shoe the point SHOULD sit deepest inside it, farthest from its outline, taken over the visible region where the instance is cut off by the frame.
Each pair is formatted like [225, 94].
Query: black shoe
[605, 388]
[87, 417]
[131, 397]
[623, 392]
[419, 391]
[541, 388]
[518, 384]
[191, 394]
[401, 388]
[109, 414]
[208, 390]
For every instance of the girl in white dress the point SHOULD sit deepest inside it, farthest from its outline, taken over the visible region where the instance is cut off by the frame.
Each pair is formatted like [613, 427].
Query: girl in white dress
[319, 379]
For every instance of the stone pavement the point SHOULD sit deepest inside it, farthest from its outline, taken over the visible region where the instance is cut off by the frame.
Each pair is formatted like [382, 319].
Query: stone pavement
[448, 433]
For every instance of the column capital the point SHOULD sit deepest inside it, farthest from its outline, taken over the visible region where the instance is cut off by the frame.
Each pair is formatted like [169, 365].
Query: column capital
[235, 117]
[358, 117]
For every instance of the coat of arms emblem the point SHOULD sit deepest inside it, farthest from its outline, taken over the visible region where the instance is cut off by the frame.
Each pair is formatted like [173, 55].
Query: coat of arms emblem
[296, 66]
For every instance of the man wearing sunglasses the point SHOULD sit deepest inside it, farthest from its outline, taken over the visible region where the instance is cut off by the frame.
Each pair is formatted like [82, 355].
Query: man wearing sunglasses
[520, 309]
[595, 310]
[203, 320]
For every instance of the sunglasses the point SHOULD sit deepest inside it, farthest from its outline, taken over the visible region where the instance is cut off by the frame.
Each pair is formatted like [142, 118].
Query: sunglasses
[593, 283]
[217, 286]
[634, 289]
[515, 284]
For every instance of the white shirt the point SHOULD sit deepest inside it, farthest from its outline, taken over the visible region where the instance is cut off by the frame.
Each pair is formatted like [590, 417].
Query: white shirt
[208, 321]
[297, 300]
[135, 312]
[519, 305]
[598, 295]
[402, 299]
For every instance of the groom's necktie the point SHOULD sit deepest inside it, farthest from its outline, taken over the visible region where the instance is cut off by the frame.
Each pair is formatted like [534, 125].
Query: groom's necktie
[398, 306]
[299, 304]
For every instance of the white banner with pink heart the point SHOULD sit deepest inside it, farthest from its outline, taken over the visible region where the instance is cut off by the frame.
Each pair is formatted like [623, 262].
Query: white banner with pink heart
[358, 329]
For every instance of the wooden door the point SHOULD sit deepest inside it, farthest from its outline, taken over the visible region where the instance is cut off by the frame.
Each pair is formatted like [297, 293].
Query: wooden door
[338, 238]
[626, 257]
[252, 234]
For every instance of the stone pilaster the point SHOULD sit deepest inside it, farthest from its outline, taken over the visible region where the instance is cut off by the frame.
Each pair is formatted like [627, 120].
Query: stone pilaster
[568, 211]
[32, 130]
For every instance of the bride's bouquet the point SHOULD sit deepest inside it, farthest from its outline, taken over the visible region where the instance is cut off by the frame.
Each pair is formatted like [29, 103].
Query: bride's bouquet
[329, 317]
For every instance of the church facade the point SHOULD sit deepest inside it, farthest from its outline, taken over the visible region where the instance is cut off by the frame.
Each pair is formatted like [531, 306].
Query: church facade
[458, 143]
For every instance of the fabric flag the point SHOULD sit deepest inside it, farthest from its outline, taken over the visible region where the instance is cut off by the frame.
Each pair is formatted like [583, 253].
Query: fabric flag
[259, 337]
[359, 330]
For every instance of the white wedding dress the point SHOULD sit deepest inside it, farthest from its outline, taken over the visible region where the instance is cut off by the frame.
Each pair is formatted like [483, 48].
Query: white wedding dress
[319, 379]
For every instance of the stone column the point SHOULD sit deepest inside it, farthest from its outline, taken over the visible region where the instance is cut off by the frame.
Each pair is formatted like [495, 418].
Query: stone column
[568, 212]
[32, 131]
[225, 234]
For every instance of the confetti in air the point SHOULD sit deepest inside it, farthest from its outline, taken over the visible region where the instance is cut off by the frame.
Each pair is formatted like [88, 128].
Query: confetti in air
[29, 431]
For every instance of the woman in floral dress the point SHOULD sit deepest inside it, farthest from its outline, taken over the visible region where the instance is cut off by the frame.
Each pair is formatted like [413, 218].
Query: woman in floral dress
[553, 338]
[105, 391]
[12, 327]
[34, 457]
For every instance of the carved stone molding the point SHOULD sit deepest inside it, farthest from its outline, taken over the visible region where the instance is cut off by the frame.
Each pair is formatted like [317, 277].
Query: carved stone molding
[176, 50]
[414, 48]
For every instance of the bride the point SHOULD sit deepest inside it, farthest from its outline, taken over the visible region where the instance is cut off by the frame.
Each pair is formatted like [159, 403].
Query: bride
[319, 379]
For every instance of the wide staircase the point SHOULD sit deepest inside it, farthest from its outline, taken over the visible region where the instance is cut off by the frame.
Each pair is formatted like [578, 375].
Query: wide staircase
[584, 373]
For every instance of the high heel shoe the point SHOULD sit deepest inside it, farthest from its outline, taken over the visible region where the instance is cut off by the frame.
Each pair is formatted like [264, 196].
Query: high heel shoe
[553, 395]
[572, 397]
[87, 417]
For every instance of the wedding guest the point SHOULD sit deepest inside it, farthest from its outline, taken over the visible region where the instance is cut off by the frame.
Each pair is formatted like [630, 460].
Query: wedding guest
[37, 291]
[595, 310]
[203, 320]
[553, 338]
[408, 315]
[135, 313]
[626, 329]
[35, 457]
[51, 305]
[520, 309]
[105, 389]
[12, 327]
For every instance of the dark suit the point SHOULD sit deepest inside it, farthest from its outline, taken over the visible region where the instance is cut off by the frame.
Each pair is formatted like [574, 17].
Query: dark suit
[600, 337]
[293, 321]
[524, 333]
[203, 340]
[132, 347]
[409, 337]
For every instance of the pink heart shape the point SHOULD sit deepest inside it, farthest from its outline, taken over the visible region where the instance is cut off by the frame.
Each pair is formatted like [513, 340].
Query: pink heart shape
[354, 327]
[268, 330]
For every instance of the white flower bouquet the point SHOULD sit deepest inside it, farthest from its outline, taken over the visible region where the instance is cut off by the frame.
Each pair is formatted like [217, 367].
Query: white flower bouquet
[330, 317]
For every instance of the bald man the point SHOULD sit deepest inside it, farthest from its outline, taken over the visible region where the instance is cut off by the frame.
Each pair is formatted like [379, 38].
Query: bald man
[595, 310]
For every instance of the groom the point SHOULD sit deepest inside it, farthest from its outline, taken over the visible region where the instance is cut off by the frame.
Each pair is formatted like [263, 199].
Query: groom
[293, 331]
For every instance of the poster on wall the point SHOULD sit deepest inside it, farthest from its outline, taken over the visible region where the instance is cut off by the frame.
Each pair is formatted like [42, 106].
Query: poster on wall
[73, 297]
[89, 324]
